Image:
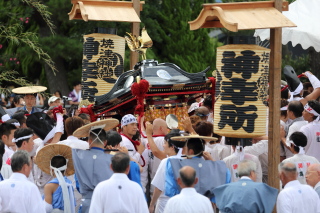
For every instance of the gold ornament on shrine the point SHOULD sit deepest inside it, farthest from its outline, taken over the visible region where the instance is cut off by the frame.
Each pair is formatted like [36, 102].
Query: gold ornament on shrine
[103, 63]
[242, 74]
[139, 44]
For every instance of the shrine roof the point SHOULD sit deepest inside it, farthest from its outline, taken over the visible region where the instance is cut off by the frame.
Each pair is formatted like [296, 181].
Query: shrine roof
[100, 10]
[241, 16]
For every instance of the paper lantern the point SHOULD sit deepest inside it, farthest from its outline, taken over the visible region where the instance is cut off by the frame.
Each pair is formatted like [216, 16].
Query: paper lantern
[242, 74]
[103, 62]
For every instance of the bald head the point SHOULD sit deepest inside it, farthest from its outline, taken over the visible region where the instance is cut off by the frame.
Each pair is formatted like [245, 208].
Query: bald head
[188, 176]
[313, 174]
[159, 127]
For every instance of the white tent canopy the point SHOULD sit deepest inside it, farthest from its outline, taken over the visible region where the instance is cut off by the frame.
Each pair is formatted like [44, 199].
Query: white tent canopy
[306, 15]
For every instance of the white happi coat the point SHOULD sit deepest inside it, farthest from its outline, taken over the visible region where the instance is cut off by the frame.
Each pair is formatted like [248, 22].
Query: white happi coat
[118, 194]
[302, 162]
[18, 194]
[189, 201]
[298, 198]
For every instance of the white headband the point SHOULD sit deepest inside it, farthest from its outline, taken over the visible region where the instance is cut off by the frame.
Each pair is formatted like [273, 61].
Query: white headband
[310, 110]
[285, 108]
[301, 149]
[15, 140]
[296, 92]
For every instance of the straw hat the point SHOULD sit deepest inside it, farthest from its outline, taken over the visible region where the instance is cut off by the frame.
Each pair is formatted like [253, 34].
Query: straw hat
[45, 155]
[29, 89]
[185, 138]
[105, 124]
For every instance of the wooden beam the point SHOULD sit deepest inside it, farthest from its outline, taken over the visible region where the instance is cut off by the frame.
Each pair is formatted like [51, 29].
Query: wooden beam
[135, 30]
[274, 103]
[246, 5]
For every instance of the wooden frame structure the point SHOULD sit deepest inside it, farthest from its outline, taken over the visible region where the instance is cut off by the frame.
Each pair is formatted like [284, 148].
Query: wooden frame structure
[256, 15]
[101, 10]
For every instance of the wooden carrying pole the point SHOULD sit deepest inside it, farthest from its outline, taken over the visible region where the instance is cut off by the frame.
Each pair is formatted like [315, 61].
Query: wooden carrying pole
[135, 30]
[274, 103]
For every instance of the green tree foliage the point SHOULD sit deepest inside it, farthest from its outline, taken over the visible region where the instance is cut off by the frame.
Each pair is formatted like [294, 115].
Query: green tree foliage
[14, 34]
[167, 22]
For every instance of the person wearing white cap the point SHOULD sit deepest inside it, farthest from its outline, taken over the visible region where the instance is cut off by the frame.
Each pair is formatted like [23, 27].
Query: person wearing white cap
[30, 93]
[311, 114]
[129, 128]
[297, 143]
[54, 101]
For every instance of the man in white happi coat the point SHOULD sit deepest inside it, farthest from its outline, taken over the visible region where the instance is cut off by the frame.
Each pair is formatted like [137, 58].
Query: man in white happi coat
[295, 197]
[18, 194]
[302, 161]
[129, 128]
[239, 155]
[189, 200]
[311, 114]
[6, 135]
[118, 194]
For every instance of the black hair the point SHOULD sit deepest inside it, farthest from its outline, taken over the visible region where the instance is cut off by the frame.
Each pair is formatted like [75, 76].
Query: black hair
[21, 133]
[120, 162]
[173, 143]
[75, 83]
[102, 135]
[12, 121]
[299, 139]
[283, 103]
[196, 144]
[20, 117]
[113, 138]
[207, 102]
[58, 161]
[84, 116]
[2, 151]
[296, 107]
[5, 129]
[285, 94]
[16, 100]
[315, 105]
[58, 91]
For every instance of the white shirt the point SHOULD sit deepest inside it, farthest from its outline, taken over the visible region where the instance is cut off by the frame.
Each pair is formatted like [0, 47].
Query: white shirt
[17, 194]
[159, 182]
[296, 126]
[232, 163]
[302, 162]
[75, 143]
[260, 149]
[118, 194]
[312, 131]
[154, 161]
[7, 153]
[189, 201]
[218, 151]
[298, 198]
[128, 144]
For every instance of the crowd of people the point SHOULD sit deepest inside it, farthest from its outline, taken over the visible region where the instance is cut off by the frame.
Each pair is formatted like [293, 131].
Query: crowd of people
[52, 162]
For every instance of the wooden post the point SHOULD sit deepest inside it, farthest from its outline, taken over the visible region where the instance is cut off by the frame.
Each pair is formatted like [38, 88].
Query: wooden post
[135, 30]
[274, 103]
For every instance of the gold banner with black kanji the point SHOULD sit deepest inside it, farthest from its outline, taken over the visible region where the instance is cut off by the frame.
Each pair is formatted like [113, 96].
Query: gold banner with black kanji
[242, 74]
[103, 63]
